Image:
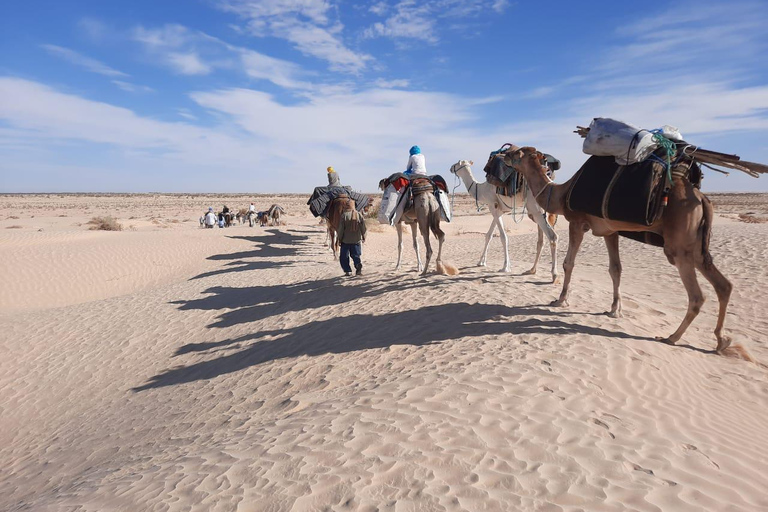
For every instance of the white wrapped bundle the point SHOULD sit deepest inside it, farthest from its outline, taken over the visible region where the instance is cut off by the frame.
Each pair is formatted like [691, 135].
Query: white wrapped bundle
[628, 144]
[445, 205]
[388, 204]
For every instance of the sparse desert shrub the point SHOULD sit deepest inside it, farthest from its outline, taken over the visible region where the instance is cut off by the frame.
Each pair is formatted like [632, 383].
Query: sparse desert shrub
[372, 224]
[373, 211]
[13, 217]
[105, 224]
[15, 226]
[752, 219]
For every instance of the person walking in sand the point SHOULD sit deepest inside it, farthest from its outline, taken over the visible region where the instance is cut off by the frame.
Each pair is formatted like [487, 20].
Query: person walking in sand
[417, 164]
[351, 233]
[333, 178]
[210, 218]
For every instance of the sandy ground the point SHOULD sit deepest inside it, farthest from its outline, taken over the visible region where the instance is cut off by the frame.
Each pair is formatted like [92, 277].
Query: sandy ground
[167, 367]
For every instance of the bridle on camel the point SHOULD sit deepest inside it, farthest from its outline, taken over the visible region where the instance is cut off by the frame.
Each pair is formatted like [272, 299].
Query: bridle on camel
[457, 180]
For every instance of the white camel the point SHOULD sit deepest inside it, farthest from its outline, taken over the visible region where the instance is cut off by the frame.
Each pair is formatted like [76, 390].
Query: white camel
[485, 193]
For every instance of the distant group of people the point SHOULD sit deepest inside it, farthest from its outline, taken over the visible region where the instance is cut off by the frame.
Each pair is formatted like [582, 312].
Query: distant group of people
[212, 219]
[352, 229]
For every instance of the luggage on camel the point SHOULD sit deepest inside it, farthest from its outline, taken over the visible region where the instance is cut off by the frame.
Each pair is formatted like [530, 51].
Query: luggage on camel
[506, 179]
[629, 193]
[628, 144]
[323, 196]
[399, 189]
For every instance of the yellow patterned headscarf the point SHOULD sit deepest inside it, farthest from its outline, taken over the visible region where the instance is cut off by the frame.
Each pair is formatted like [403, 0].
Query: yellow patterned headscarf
[330, 169]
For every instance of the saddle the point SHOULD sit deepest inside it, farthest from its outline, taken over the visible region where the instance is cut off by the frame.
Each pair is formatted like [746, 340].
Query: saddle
[630, 193]
[506, 178]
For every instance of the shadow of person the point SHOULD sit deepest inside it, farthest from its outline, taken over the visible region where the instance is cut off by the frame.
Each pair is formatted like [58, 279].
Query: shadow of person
[352, 333]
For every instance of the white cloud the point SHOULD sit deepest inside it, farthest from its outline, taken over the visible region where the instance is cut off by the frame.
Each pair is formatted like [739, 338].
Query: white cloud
[129, 87]
[167, 36]
[418, 20]
[188, 63]
[78, 59]
[379, 8]
[305, 23]
[93, 29]
[392, 84]
[197, 53]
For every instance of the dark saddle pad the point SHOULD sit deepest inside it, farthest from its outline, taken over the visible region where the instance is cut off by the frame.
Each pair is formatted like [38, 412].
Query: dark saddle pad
[628, 193]
[323, 196]
[505, 178]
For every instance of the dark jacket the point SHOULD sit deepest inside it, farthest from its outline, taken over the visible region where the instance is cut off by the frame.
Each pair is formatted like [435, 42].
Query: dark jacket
[351, 227]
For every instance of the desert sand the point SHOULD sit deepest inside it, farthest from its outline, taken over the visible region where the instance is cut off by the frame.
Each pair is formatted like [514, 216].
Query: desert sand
[167, 367]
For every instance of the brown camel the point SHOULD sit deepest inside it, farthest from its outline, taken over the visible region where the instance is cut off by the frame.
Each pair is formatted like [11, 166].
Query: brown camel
[335, 209]
[685, 226]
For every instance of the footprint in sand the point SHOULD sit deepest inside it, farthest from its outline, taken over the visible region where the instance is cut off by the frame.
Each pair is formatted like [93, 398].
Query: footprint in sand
[604, 425]
[636, 467]
[689, 448]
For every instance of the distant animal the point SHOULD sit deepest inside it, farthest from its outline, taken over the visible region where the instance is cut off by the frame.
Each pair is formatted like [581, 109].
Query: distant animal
[274, 213]
[485, 193]
[263, 218]
[684, 229]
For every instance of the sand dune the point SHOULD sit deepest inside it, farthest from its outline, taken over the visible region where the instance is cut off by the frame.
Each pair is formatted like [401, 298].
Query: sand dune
[175, 368]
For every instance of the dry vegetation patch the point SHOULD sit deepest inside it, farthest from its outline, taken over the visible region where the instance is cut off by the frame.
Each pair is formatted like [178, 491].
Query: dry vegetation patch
[752, 218]
[15, 226]
[105, 224]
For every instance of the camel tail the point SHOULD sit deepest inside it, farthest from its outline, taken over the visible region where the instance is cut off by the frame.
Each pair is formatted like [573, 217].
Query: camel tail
[706, 231]
[447, 269]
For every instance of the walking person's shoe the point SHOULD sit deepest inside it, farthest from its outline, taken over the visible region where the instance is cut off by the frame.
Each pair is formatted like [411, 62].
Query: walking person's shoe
[359, 271]
[347, 274]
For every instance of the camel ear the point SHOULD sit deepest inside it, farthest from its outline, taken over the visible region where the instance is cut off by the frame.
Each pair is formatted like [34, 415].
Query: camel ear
[471, 162]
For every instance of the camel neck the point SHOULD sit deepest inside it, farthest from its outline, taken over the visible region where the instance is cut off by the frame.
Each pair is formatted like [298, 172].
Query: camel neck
[466, 176]
[539, 182]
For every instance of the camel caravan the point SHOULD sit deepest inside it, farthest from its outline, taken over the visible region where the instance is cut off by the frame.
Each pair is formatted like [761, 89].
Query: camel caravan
[644, 185]
[225, 218]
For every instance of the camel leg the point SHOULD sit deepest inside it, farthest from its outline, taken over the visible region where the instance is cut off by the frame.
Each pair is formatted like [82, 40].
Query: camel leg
[419, 266]
[439, 234]
[723, 288]
[422, 215]
[687, 271]
[614, 268]
[540, 217]
[399, 228]
[575, 237]
[497, 217]
[539, 245]
[488, 237]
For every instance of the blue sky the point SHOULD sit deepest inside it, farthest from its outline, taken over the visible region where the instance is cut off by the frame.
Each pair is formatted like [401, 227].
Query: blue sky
[261, 96]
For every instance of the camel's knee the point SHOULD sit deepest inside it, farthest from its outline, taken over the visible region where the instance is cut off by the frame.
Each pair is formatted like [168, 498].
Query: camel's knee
[695, 303]
[614, 269]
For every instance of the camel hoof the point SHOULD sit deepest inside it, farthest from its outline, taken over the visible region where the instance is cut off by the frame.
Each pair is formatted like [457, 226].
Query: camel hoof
[504, 269]
[614, 314]
[666, 340]
[529, 272]
[555, 279]
[481, 264]
[557, 303]
[723, 342]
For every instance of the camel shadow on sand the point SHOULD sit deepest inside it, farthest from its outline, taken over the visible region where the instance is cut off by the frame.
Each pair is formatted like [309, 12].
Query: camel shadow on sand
[424, 326]
[254, 303]
[276, 244]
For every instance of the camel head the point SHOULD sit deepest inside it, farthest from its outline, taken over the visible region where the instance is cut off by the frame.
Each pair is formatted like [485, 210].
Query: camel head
[460, 165]
[524, 157]
[383, 184]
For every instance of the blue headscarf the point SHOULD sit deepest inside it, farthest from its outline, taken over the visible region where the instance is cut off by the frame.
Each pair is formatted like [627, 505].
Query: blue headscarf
[415, 150]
